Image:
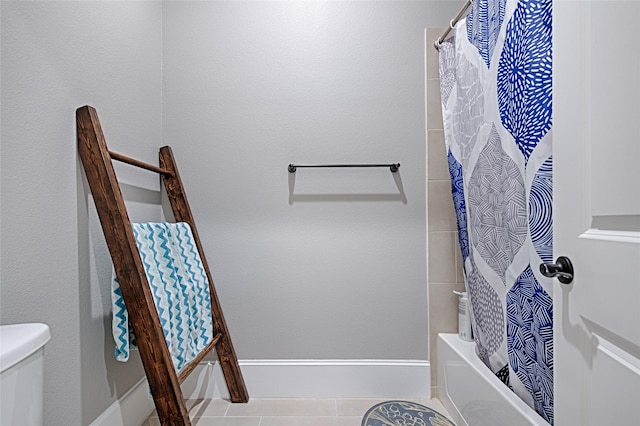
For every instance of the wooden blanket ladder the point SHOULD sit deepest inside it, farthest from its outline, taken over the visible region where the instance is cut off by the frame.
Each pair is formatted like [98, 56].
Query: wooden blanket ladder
[163, 379]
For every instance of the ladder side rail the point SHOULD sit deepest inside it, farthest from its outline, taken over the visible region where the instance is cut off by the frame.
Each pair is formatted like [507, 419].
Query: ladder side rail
[182, 213]
[143, 316]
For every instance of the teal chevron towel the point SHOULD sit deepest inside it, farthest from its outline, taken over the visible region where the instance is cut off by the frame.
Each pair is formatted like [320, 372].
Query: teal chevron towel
[180, 289]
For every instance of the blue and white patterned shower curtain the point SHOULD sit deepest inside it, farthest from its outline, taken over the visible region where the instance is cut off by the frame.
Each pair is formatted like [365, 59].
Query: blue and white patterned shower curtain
[495, 75]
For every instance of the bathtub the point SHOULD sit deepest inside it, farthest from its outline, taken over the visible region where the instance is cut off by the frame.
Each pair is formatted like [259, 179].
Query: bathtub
[472, 394]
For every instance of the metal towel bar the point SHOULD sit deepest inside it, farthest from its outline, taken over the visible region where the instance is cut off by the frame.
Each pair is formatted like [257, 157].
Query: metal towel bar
[393, 167]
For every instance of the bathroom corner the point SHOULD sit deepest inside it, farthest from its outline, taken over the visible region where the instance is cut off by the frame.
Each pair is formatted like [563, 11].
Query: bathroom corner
[444, 265]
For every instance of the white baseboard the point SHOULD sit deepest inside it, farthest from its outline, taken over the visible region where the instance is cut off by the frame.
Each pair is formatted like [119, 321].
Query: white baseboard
[131, 409]
[287, 379]
[318, 379]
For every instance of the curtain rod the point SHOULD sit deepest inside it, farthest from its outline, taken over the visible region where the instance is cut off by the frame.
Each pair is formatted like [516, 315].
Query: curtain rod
[452, 24]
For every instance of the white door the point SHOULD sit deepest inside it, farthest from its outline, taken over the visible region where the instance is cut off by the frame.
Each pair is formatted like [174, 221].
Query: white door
[596, 137]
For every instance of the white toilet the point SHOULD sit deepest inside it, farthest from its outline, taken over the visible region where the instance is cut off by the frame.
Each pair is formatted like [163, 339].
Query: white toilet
[21, 373]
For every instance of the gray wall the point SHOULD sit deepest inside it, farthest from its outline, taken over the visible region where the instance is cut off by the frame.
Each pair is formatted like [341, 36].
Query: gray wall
[57, 56]
[323, 264]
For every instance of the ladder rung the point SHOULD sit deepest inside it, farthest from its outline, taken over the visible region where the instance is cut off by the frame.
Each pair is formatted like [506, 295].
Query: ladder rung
[194, 362]
[138, 163]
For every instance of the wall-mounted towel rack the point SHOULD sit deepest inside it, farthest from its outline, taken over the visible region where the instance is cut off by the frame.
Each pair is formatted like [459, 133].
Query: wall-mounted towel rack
[393, 167]
[162, 376]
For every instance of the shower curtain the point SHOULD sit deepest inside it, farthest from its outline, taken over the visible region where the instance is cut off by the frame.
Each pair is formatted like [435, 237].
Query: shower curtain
[495, 75]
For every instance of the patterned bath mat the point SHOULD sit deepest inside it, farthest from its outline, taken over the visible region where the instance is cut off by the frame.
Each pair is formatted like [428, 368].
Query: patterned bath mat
[393, 413]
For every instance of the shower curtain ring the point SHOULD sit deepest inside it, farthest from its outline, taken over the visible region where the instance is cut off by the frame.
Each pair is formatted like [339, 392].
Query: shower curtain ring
[451, 24]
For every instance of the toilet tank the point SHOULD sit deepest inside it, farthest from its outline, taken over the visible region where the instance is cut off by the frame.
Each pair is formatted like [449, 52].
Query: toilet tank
[21, 373]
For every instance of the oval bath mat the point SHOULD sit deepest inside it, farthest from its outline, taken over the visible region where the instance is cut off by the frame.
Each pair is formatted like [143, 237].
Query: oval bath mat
[392, 413]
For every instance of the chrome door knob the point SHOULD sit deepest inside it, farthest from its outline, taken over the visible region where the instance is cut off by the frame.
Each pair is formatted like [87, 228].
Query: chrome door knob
[562, 270]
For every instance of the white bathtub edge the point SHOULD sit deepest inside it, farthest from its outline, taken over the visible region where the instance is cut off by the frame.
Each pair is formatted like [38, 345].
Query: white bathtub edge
[485, 381]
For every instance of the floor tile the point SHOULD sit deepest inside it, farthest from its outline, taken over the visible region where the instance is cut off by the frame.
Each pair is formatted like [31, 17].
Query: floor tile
[349, 421]
[359, 406]
[226, 421]
[437, 405]
[151, 421]
[311, 421]
[284, 407]
[207, 407]
[356, 406]
[287, 412]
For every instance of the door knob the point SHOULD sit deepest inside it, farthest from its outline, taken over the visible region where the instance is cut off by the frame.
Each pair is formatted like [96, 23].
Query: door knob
[562, 270]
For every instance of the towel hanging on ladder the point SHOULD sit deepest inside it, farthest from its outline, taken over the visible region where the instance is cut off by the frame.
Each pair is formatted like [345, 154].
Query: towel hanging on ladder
[180, 289]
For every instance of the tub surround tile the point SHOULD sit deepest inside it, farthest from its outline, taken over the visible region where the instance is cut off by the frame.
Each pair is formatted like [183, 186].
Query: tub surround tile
[440, 207]
[433, 359]
[458, 255]
[432, 53]
[444, 307]
[443, 318]
[437, 162]
[441, 261]
[434, 107]
[444, 260]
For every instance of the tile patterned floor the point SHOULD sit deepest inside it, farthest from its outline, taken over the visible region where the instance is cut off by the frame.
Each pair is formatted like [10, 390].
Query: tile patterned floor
[284, 412]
